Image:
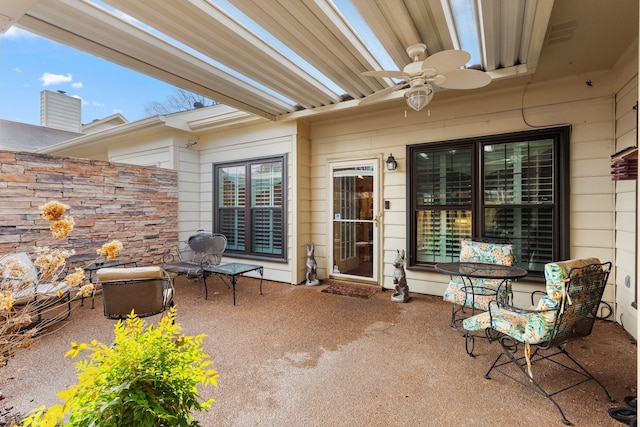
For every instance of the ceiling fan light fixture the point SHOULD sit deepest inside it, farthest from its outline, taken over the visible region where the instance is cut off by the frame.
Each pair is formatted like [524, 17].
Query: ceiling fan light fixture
[419, 96]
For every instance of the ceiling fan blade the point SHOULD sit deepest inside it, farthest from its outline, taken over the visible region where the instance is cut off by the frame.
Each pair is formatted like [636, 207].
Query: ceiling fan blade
[446, 60]
[380, 94]
[385, 73]
[465, 79]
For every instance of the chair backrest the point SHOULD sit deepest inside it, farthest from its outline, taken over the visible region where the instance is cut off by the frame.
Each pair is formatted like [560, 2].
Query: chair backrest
[494, 253]
[218, 246]
[141, 289]
[204, 248]
[576, 288]
[18, 266]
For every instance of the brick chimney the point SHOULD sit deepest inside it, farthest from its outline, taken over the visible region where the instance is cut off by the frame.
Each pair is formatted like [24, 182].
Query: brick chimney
[60, 111]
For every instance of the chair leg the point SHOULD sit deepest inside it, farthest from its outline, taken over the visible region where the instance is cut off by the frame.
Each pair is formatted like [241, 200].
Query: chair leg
[583, 371]
[493, 365]
[509, 347]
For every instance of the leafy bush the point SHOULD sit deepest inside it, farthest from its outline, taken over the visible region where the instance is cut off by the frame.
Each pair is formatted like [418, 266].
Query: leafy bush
[147, 377]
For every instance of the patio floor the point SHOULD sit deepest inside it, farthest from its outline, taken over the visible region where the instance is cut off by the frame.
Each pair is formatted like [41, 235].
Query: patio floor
[296, 356]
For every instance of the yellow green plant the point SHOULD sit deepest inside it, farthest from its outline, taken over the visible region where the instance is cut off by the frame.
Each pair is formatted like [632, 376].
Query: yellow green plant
[148, 376]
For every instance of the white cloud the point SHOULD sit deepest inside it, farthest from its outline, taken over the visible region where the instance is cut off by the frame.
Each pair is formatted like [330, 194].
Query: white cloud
[17, 70]
[97, 104]
[82, 101]
[49, 79]
[77, 85]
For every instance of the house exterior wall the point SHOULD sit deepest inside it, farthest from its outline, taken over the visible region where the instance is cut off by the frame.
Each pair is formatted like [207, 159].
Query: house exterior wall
[626, 217]
[263, 140]
[301, 224]
[589, 103]
[588, 109]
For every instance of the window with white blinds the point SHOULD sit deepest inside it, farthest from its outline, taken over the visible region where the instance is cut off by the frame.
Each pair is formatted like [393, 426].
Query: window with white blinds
[249, 200]
[511, 188]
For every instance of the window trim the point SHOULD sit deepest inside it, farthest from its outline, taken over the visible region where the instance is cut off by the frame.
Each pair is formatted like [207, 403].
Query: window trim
[247, 253]
[561, 137]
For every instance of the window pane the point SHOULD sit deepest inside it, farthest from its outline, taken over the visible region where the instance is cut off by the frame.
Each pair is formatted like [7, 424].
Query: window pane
[266, 184]
[519, 172]
[352, 193]
[232, 186]
[443, 177]
[529, 229]
[266, 231]
[440, 233]
[232, 225]
[443, 180]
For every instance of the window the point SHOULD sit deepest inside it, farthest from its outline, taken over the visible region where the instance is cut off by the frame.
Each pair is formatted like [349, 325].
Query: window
[506, 188]
[249, 205]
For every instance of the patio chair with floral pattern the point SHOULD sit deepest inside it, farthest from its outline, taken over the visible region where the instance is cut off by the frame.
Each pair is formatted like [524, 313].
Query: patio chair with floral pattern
[566, 311]
[486, 252]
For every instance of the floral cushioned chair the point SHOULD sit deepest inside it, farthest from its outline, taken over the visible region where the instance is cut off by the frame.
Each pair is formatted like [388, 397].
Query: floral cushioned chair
[565, 312]
[494, 253]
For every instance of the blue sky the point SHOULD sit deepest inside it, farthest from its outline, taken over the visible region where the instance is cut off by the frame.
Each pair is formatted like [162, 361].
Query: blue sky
[30, 64]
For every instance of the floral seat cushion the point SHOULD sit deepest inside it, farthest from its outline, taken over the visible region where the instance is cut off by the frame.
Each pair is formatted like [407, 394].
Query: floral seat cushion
[532, 327]
[493, 253]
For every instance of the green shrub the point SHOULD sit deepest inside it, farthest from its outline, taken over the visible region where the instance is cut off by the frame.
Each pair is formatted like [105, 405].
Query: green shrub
[147, 377]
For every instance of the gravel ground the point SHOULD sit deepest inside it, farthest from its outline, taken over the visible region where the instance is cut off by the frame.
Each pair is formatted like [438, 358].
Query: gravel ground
[295, 356]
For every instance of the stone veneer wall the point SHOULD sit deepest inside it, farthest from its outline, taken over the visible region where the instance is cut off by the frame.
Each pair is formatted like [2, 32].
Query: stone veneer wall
[136, 205]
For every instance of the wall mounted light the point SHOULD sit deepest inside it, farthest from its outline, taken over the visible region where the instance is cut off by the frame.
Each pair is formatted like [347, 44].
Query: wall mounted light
[391, 163]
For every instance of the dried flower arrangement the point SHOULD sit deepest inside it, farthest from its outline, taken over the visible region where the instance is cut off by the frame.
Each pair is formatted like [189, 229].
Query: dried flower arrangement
[36, 290]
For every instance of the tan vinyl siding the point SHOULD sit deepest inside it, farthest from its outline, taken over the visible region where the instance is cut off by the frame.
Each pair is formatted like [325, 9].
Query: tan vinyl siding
[626, 218]
[563, 102]
[249, 143]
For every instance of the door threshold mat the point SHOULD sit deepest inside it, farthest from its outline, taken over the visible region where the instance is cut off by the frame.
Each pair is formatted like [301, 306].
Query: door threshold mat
[350, 289]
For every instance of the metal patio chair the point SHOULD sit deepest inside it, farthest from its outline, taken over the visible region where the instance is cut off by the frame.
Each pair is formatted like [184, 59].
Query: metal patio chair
[566, 312]
[200, 251]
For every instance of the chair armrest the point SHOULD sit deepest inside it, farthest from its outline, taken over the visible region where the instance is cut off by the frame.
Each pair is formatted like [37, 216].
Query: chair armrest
[168, 256]
[516, 309]
[534, 293]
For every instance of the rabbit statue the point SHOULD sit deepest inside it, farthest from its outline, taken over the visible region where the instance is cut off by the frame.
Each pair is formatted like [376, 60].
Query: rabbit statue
[400, 279]
[312, 267]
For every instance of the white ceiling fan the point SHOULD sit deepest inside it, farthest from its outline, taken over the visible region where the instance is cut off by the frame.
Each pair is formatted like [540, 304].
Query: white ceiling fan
[443, 69]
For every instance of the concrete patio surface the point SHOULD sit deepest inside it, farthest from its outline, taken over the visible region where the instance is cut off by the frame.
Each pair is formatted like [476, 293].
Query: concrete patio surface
[298, 357]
